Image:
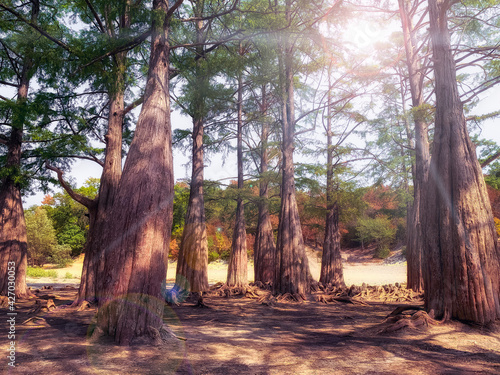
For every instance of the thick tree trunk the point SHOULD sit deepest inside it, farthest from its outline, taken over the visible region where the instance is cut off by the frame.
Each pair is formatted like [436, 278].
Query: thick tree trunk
[99, 210]
[138, 237]
[13, 238]
[192, 262]
[264, 248]
[331, 261]
[237, 274]
[414, 242]
[292, 268]
[461, 265]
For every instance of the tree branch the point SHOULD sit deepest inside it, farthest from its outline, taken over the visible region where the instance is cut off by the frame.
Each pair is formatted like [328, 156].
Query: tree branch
[36, 27]
[133, 105]
[490, 160]
[87, 202]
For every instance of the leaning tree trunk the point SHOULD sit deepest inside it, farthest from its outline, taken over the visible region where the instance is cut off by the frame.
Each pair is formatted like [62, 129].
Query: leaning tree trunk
[331, 261]
[13, 237]
[237, 273]
[414, 243]
[292, 273]
[264, 249]
[138, 238]
[192, 262]
[461, 262]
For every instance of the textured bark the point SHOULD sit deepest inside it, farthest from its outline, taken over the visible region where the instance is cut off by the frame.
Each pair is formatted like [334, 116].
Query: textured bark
[264, 248]
[331, 261]
[192, 262]
[292, 268]
[237, 273]
[99, 210]
[13, 238]
[414, 242]
[138, 237]
[461, 262]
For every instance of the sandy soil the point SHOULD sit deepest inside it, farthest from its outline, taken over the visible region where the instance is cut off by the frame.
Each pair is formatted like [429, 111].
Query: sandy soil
[239, 335]
[359, 267]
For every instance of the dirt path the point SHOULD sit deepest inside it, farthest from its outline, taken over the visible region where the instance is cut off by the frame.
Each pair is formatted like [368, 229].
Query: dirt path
[241, 336]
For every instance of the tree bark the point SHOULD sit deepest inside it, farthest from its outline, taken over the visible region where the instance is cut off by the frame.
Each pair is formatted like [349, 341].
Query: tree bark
[414, 237]
[192, 262]
[461, 261]
[264, 249]
[138, 237]
[99, 210]
[331, 260]
[292, 268]
[13, 237]
[237, 274]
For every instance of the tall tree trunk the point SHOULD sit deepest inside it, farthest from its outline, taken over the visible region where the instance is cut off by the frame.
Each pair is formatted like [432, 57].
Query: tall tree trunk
[461, 265]
[192, 262]
[139, 235]
[99, 210]
[237, 274]
[292, 268]
[414, 243]
[331, 261]
[264, 249]
[13, 237]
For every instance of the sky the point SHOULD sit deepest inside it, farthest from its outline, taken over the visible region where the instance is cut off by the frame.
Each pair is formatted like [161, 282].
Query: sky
[363, 36]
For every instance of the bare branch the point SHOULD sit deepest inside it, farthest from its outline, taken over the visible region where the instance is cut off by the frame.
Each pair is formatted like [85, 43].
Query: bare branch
[87, 202]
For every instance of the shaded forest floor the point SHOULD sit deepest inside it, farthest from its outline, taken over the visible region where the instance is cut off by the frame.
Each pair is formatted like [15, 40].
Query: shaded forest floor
[237, 335]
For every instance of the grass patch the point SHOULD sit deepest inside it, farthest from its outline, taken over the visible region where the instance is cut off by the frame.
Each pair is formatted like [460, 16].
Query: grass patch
[69, 276]
[40, 272]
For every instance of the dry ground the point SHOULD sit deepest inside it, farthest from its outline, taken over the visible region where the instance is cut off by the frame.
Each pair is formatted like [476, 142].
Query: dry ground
[238, 335]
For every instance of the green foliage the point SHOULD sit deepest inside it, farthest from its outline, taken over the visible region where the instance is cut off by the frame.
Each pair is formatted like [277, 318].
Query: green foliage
[68, 216]
[493, 177]
[382, 252]
[379, 230]
[60, 255]
[40, 272]
[41, 236]
[68, 275]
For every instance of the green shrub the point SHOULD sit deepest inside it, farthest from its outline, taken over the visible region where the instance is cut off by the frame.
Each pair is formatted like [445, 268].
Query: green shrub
[382, 252]
[40, 272]
[225, 254]
[212, 256]
[379, 230]
[68, 276]
[61, 255]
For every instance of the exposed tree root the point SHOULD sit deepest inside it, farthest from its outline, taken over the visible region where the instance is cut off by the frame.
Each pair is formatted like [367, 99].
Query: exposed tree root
[386, 293]
[222, 290]
[399, 319]
[84, 306]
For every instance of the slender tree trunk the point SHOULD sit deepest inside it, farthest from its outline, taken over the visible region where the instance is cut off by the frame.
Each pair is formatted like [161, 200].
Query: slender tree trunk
[331, 261]
[99, 210]
[292, 268]
[264, 249]
[237, 275]
[192, 262]
[13, 237]
[461, 265]
[139, 235]
[414, 242]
